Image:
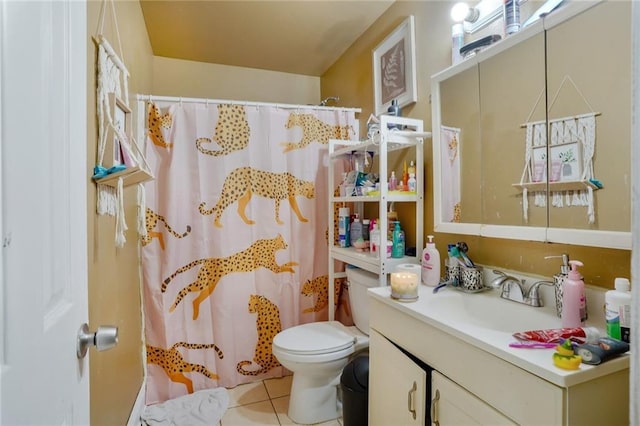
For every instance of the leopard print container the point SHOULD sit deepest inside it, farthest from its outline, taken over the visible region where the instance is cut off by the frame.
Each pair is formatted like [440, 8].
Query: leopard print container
[471, 278]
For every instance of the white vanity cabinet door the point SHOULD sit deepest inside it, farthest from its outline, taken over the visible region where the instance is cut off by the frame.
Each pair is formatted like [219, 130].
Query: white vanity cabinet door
[397, 385]
[453, 405]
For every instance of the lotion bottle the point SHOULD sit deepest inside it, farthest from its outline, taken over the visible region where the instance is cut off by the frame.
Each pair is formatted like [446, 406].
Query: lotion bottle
[618, 310]
[574, 303]
[430, 264]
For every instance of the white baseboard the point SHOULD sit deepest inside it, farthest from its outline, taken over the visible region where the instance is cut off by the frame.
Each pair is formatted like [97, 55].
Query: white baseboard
[138, 407]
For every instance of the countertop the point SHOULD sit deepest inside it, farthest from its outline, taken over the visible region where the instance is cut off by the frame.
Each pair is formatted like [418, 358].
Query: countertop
[435, 310]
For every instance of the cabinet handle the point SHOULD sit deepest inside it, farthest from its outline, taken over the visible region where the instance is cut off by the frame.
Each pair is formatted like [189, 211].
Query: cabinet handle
[434, 411]
[411, 399]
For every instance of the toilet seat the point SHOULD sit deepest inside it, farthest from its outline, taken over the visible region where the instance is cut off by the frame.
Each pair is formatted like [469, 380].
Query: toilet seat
[315, 342]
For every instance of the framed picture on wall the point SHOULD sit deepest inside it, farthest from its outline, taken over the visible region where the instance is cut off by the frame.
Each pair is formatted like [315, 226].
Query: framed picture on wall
[119, 137]
[566, 162]
[394, 68]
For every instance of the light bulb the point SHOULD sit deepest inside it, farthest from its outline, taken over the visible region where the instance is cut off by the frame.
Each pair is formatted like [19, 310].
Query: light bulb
[459, 12]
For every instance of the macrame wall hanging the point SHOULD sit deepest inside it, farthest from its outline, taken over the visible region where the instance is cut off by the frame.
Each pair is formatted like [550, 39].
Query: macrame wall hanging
[569, 168]
[119, 161]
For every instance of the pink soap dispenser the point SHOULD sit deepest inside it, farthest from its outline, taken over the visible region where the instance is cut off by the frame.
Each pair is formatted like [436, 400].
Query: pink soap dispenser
[574, 302]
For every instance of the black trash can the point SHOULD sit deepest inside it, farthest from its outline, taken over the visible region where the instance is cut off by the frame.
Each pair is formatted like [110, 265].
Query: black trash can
[354, 384]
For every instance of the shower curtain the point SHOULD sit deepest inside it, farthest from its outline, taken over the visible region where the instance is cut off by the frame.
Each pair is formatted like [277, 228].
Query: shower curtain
[236, 242]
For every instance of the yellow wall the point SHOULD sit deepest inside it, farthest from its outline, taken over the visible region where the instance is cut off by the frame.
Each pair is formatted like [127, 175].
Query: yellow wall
[351, 79]
[114, 292]
[177, 77]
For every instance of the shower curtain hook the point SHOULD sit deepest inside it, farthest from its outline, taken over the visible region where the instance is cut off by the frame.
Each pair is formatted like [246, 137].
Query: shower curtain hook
[206, 103]
[180, 101]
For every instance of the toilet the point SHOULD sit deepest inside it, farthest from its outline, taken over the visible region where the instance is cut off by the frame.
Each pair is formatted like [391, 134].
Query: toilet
[317, 353]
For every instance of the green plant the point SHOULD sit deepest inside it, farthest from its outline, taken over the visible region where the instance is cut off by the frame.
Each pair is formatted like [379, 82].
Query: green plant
[567, 156]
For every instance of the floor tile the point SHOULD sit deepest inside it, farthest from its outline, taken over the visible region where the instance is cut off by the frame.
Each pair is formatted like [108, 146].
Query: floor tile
[278, 387]
[247, 394]
[281, 406]
[259, 413]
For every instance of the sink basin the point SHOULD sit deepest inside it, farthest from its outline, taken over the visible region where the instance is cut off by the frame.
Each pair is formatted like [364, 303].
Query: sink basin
[493, 312]
[489, 311]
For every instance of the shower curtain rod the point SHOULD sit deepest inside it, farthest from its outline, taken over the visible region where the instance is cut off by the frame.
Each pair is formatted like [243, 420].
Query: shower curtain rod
[140, 97]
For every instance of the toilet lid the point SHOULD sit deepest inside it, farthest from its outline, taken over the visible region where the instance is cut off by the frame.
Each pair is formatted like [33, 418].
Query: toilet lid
[314, 338]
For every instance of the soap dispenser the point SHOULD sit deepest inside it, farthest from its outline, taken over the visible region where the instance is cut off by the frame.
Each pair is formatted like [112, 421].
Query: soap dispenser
[574, 301]
[430, 264]
[558, 280]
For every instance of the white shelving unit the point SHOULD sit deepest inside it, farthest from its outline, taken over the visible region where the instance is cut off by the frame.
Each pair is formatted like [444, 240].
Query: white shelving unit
[389, 140]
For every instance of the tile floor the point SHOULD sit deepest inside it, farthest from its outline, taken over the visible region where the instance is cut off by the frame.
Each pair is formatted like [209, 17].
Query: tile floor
[262, 403]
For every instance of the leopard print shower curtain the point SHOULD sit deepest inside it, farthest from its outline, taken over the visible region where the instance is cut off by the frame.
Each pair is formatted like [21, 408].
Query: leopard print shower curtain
[236, 245]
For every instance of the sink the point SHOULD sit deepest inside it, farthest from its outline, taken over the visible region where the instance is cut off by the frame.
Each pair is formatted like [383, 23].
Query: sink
[489, 311]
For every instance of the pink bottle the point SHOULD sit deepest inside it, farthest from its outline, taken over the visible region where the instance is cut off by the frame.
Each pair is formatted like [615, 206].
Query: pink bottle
[574, 302]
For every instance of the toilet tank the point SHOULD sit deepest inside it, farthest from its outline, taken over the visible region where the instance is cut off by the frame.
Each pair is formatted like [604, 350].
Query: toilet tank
[359, 281]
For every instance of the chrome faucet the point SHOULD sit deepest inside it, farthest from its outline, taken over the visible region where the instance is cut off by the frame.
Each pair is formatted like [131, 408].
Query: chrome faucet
[513, 289]
[533, 295]
[510, 285]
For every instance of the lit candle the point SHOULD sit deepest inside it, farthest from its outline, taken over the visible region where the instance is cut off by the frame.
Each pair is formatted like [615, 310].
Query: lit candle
[404, 285]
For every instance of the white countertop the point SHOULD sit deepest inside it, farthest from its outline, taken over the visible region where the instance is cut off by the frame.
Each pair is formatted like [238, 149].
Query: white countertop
[441, 311]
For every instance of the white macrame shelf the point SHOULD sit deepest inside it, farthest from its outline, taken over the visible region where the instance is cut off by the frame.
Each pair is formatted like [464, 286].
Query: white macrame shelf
[555, 186]
[120, 144]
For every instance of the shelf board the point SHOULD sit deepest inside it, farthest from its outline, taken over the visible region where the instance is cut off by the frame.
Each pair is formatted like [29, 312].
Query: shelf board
[395, 196]
[368, 262]
[130, 176]
[396, 139]
[556, 186]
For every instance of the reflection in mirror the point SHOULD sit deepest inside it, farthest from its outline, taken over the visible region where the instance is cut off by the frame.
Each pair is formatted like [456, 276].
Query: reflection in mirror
[460, 156]
[580, 82]
[511, 93]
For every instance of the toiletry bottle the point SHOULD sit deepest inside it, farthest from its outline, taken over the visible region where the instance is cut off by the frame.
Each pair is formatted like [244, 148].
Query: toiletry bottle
[405, 177]
[412, 168]
[393, 182]
[343, 226]
[374, 240]
[558, 280]
[397, 251]
[412, 183]
[355, 231]
[430, 264]
[511, 16]
[457, 41]
[618, 310]
[392, 217]
[394, 109]
[365, 231]
[574, 312]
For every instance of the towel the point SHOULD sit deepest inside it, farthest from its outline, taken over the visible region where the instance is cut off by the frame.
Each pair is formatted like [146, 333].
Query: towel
[205, 407]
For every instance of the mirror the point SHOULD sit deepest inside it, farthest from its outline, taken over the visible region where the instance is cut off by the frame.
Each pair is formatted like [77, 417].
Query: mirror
[561, 67]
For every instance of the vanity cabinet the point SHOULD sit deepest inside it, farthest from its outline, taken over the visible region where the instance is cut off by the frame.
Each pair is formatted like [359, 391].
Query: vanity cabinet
[409, 141]
[403, 398]
[452, 405]
[472, 380]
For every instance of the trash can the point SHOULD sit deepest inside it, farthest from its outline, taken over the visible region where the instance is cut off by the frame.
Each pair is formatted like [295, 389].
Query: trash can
[354, 383]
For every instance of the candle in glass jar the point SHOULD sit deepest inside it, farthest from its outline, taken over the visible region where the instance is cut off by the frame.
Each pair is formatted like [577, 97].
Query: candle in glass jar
[404, 285]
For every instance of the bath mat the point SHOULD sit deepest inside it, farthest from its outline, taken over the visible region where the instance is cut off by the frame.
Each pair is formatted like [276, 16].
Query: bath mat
[205, 407]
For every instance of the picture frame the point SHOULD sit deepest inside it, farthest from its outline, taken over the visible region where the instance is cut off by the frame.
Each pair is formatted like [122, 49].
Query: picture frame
[394, 68]
[118, 139]
[566, 162]
[539, 163]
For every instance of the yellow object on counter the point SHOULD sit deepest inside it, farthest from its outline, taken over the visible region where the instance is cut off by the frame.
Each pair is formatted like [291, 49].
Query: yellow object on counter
[565, 357]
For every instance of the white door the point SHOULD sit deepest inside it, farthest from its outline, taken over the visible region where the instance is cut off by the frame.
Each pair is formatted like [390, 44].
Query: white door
[43, 226]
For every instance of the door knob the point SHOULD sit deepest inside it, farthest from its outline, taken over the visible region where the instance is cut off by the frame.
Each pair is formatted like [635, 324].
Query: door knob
[106, 337]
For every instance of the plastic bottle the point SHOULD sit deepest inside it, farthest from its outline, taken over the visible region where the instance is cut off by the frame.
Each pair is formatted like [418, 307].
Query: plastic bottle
[365, 229]
[393, 182]
[412, 183]
[618, 310]
[412, 168]
[374, 240]
[430, 264]
[397, 251]
[355, 231]
[457, 41]
[343, 226]
[511, 16]
[574, 302]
